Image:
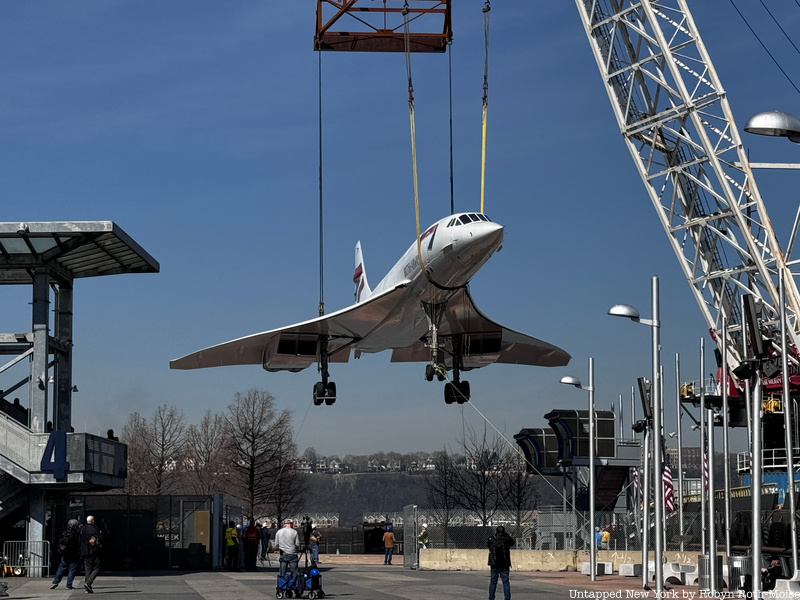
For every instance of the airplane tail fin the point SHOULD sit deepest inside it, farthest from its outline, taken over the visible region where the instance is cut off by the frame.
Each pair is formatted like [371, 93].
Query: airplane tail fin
[363, 290]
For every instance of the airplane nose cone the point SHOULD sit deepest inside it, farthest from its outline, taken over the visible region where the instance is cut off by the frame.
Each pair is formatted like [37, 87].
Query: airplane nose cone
[478, 241]
[487, 237]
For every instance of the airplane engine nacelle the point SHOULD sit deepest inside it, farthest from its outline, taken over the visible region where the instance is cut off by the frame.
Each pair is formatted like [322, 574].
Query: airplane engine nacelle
[291, 352]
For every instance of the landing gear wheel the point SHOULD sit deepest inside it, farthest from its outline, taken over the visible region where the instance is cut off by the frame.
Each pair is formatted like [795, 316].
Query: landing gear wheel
[449, 393]
[312, 595]
[279, 594]
[441, 371]
[319, 393]
[330, 396]
[462, 395]
[429, 371]
[321, 594]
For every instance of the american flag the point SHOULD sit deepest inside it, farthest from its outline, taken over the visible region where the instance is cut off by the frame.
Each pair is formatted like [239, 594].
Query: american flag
[637, 489]
[669, 495]
[705, 462]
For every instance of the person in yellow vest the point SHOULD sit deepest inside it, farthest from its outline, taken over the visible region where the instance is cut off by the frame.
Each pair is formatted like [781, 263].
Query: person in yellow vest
[232, 547]
[605, 539]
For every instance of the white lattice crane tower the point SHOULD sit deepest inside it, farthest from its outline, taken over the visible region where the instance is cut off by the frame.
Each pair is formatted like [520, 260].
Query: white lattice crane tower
[674, 116]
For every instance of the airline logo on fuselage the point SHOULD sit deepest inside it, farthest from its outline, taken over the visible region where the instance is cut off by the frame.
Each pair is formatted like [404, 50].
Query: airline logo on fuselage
[359, 281]
[430, 232]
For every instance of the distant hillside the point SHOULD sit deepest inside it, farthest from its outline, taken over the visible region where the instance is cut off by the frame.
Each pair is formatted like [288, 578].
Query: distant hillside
[353, 494]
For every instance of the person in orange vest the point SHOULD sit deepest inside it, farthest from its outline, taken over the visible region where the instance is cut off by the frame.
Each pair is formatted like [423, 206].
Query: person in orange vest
[388, 542]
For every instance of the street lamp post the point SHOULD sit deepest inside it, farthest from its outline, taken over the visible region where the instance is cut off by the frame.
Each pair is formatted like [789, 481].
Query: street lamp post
[782, 124]
[624, 310]
[574, 381]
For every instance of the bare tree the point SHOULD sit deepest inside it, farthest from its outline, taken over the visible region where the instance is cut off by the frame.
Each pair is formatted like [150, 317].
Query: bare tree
[207, 458]
[288, 489]
[478, 487]
[166, 441]
[439, 488]
[155, 448]
[310, 456]
[520, 494]
[134, 435]
[259, 438]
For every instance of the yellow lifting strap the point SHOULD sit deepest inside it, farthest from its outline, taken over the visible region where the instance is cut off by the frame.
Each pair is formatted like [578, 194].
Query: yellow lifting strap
[485, 102]
[413, 140]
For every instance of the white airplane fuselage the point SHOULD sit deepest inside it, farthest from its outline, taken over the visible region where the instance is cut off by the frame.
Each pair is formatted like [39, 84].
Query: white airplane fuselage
[453, 250]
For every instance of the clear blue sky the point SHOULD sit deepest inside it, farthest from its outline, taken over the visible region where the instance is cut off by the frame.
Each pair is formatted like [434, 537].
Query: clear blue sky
[193, 125]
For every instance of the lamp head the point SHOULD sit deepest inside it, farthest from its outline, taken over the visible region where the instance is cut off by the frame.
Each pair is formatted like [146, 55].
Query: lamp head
[570, 380]
[624, 310]
[775, 123]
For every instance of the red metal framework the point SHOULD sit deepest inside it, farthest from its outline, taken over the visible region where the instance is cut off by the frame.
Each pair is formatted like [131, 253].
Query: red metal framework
[380, 28]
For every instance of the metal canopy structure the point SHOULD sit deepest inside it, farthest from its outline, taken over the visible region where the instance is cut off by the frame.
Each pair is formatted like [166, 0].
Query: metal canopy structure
[38, 449]
[68, 250]
[370, 28]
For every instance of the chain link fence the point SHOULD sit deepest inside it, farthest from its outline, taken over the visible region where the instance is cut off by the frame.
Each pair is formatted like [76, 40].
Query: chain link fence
[553, 529]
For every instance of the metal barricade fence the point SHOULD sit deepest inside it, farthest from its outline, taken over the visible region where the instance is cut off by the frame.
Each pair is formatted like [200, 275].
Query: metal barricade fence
[28, 559]
[568, 531]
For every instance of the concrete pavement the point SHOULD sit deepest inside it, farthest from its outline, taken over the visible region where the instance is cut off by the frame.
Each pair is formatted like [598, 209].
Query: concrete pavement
[350, 577]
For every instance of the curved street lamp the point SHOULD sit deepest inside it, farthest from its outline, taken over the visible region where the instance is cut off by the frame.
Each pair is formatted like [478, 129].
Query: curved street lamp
[775, 123]
[574, 381]
[629, 312]
[782, 124]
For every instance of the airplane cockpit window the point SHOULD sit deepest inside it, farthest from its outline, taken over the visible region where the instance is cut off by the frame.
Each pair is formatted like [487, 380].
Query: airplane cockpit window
[465, 219]
[450, 223]
[474, 217]
[483, 217]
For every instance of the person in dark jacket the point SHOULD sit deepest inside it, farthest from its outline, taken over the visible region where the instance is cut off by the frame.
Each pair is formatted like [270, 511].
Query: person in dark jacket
[500, 545]
[91, 542]
[252, 538]
[265, 543]
[69, 546]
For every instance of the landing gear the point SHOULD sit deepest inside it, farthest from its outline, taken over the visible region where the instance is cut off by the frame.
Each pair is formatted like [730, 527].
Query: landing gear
[432, 369]
[324, 391]
[458, 392]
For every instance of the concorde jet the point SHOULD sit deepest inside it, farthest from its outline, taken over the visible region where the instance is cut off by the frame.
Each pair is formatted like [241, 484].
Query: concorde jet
[422, 311]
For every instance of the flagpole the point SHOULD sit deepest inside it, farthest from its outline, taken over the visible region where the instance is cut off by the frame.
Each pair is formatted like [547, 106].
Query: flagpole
[712, 533]
[725, 428]
[703, 451]
[680, 446]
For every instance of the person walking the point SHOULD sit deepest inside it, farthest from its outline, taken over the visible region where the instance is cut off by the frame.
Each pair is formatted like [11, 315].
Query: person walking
[388, 542]
[500, 545]
[69, 546]
[91, 542]
[252, 537]
[289, 544]
[232, 546]
[265, 543]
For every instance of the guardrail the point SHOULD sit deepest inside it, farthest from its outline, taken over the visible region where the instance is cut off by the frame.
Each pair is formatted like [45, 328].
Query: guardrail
[27, 559]
[91, 458]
